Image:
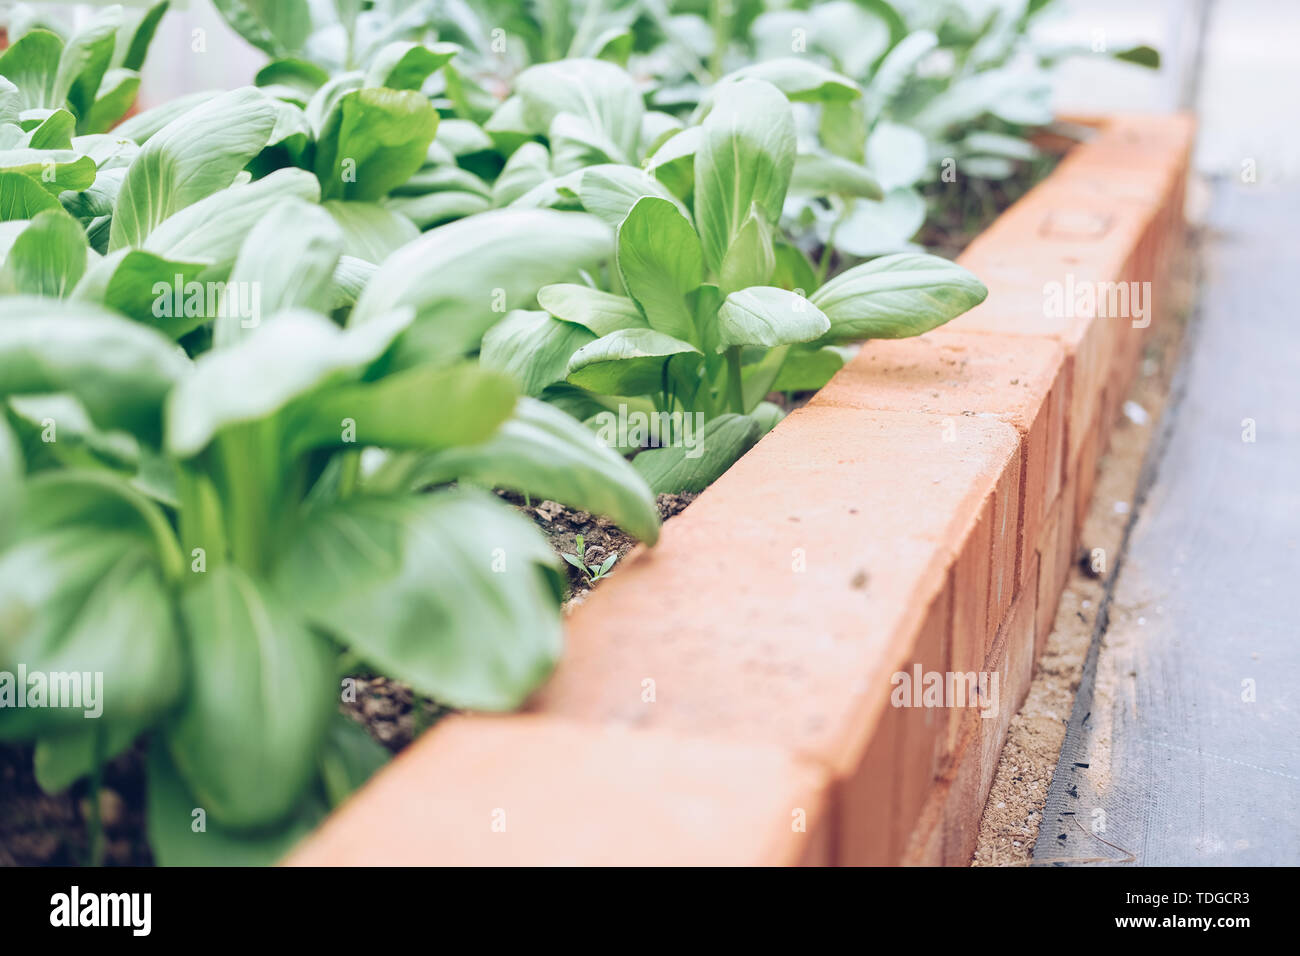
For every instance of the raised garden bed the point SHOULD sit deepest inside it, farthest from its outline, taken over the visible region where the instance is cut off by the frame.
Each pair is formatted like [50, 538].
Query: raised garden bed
[285, 548]
[726, 698]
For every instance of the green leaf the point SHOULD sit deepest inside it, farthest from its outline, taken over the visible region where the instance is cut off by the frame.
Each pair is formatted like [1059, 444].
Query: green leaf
[1142, 55]
[55, 132]
[609, 192]
[22, 197]
[302, 77]
[405, 65]
[544, 452]
[808, 369]
[180, 836]
[533, 348]
[986, 143]
[115, 97]
[875, 228]
[767, 316]
[626, 362]
[276, 27]
[895, 68]
[599, 93]
[426, 407]
[439, 207]
[192, 157]
[290, 356]
[598, 312]
[143, 35]
[12, 493]
[452, 593]
[32, 64]
[768, 416]
[79, 443]
[287, 261]
[896, 297]
[679, 468]
[897, 154]
[48, 257]
[821, 174]
[349, 758]
[370, 231]
[746, 156]
[576, 144]
[258, 702]
[145, 125]
[124, 633]
[119, 369]
[85, 60]
[751, 259]
[213, 230]
[462, 138]
[10, 104]
[528, 167]
[673, 163]
[373, 140]
[660, 260]
[82, 592]
[56, 170]
[144, 286]
[461, 277]
[801, 80]
[793, 270]
[60, 760]
[843, 129]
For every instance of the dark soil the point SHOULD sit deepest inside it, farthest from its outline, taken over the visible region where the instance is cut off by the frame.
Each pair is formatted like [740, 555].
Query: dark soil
[37, 829]
[390, 711]
[563, 525]
[956, 217]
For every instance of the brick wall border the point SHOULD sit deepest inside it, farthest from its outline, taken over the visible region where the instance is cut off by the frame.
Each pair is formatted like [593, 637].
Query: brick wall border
[725, 697]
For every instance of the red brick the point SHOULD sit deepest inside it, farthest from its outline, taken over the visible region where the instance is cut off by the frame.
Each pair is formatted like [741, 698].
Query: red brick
[1018, 379]
[738, 644]
[1013, 661]
[573, 794]
[1056, 236]
[1055, 554]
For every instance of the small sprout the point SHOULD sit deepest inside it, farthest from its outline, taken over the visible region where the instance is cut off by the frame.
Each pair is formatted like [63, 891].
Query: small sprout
[592, 572]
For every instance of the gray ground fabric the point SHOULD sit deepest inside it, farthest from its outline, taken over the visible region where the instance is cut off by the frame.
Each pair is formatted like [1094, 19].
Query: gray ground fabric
[1186, 750]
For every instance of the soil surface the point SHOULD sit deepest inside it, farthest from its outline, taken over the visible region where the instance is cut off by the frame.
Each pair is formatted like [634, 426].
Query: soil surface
[37, 829]
[601, 537]
[1015, 804]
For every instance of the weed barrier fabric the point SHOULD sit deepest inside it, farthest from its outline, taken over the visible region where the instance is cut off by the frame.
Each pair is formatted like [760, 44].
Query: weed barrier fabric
[1183, 747]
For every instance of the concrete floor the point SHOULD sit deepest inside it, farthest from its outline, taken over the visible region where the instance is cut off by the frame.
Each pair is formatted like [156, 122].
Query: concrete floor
[1184, 744]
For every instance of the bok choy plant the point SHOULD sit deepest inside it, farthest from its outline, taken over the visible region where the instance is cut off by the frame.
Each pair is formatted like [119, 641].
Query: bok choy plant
[360, 87]
[207, 536]
[706, 310]
[84, 80]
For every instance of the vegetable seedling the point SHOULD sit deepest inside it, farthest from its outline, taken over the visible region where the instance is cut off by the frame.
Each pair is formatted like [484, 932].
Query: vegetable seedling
[592, 572]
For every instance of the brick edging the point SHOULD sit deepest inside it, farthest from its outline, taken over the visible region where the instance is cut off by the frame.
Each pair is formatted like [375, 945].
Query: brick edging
[724, 697]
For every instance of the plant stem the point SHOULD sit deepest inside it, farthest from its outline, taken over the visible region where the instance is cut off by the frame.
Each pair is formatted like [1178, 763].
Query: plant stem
[350, 471]
[94, 826]
[720, 17]
[824, 265]
[735, 384]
